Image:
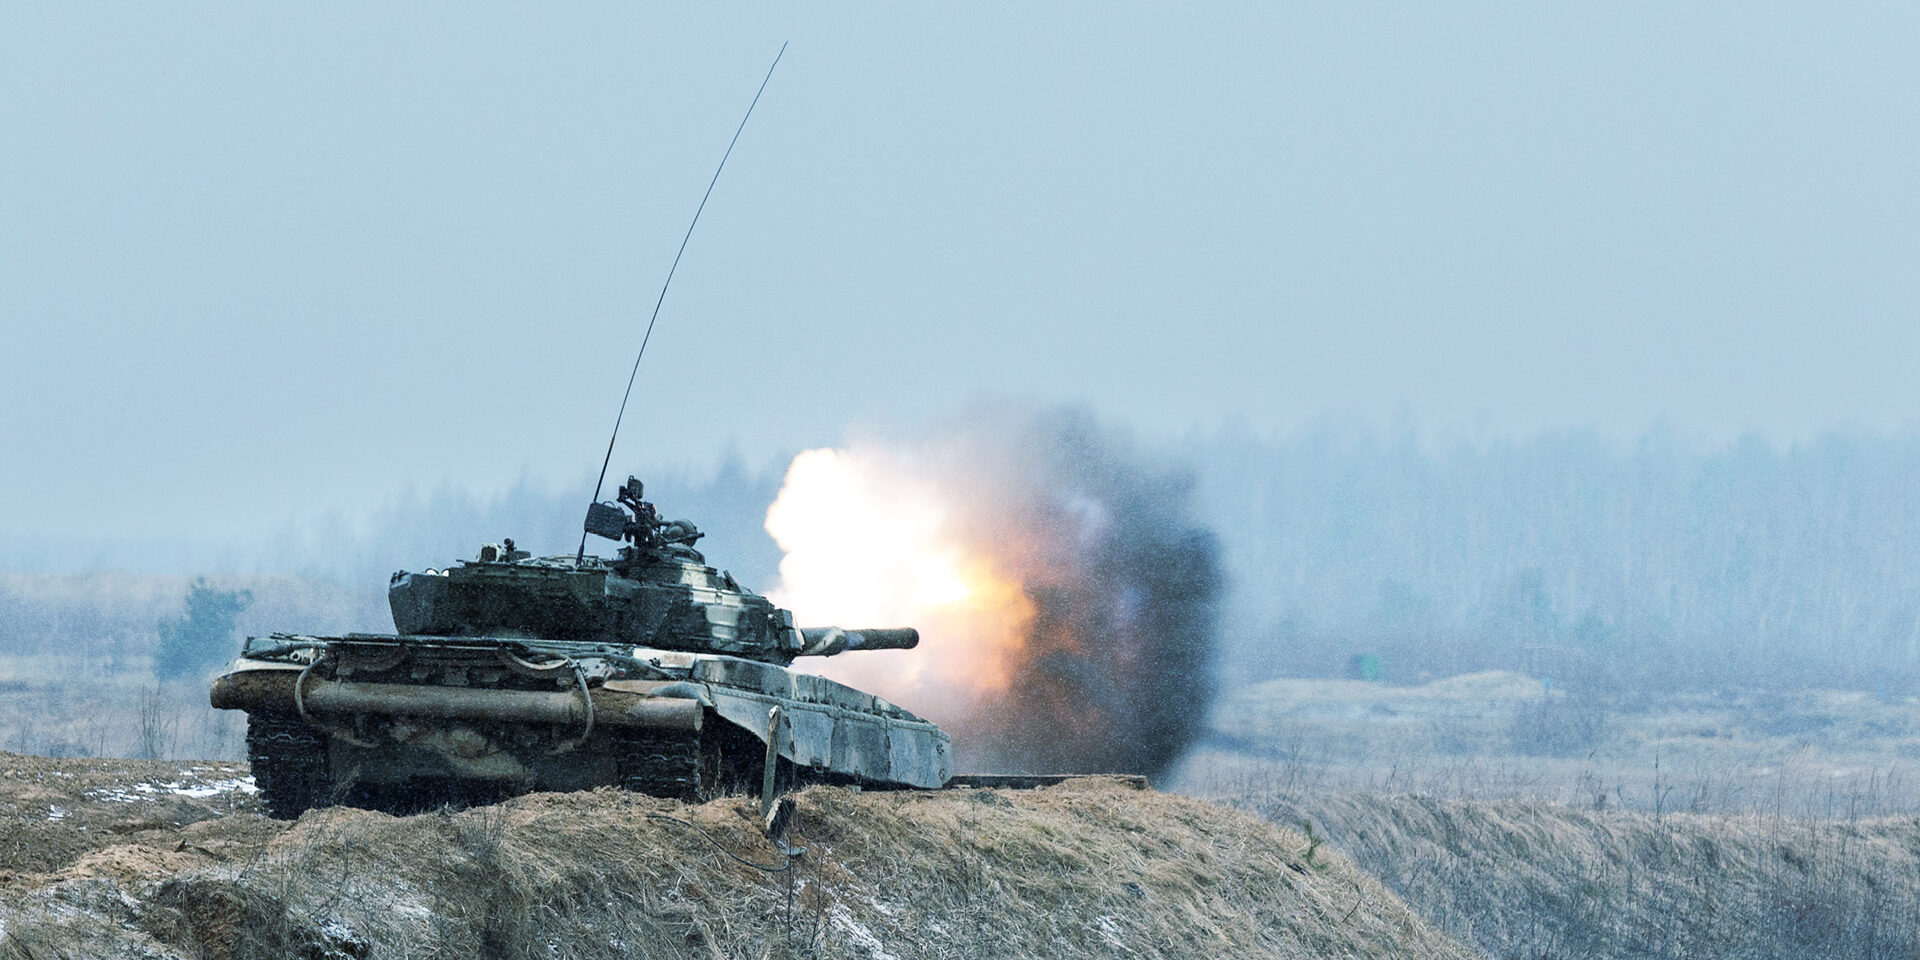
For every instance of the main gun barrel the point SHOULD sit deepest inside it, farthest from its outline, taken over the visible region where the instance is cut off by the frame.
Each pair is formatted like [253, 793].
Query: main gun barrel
[827, 641]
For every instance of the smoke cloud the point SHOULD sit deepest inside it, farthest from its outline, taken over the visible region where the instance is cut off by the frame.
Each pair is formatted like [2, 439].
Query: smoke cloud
[1065, 596]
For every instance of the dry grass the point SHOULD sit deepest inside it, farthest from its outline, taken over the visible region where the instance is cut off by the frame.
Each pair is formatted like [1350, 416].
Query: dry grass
[1083, 870]
[1537, 880]
[1706, 825]
[62, 713]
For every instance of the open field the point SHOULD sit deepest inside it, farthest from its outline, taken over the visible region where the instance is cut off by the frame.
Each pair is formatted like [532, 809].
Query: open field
[77, 660]
[1504, 736]
[1708, 825]
[60, 707]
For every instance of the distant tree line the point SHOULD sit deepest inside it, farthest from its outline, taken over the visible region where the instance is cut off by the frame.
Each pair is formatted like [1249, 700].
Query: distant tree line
[1647, 565]
[329, 574]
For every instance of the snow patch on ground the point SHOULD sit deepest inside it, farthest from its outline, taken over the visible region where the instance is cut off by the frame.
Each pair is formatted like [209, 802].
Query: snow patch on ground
[857, 933]
[153, 791]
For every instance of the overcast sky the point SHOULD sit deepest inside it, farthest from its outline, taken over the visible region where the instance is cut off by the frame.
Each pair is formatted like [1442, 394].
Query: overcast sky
[259, 256]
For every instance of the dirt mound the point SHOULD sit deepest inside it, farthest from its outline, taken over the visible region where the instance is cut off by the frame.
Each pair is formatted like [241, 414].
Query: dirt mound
[53, 811]
[1521, 879]
[1089, 868]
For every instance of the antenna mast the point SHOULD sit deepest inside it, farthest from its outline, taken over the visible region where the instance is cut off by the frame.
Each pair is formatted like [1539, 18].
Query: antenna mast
[579, 555]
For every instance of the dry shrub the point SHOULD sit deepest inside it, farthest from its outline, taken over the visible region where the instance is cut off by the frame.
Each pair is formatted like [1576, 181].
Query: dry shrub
[222, 918]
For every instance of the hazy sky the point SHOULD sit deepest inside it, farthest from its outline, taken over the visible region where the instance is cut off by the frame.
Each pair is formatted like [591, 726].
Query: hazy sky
[257, 256]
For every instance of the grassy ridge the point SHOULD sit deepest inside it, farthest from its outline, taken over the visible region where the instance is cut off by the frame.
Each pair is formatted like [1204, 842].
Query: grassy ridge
[1089, 869]
[1537, 880]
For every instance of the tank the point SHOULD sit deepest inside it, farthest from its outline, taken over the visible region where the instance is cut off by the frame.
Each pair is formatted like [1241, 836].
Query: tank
[510, 673]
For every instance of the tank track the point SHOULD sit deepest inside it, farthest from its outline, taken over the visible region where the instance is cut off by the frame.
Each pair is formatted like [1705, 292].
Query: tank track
[291, 768]
[693, 768]
[666, 765]
[289, 762]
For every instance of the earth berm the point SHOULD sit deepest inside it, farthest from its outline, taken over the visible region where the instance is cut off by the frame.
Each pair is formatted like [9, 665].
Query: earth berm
[118, 858]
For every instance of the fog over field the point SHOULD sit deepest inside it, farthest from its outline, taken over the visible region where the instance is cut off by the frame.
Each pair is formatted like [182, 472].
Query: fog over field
[1657, 563]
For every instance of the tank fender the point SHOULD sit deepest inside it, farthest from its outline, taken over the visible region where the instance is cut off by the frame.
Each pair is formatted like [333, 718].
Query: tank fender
[874, 747]
[922, 757]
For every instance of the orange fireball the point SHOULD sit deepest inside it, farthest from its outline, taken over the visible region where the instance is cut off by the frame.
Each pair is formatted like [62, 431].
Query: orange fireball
[869, 545]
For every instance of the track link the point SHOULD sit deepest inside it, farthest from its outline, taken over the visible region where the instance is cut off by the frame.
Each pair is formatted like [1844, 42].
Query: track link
[666, 765]
[718, 761]
[289, 763]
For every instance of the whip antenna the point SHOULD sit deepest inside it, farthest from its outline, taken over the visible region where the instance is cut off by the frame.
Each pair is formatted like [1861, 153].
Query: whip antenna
[580, 555]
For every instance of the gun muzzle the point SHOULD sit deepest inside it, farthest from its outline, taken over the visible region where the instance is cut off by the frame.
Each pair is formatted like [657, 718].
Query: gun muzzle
[827, 641]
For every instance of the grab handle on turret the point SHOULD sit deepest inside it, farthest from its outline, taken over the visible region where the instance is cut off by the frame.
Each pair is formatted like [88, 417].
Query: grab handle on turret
[827, 641]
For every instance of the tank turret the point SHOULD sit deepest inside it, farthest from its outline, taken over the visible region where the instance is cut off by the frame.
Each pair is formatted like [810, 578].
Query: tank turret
[657, 592]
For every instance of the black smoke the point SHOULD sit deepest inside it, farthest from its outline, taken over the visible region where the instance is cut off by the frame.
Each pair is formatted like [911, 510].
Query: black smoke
[1117, 671]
